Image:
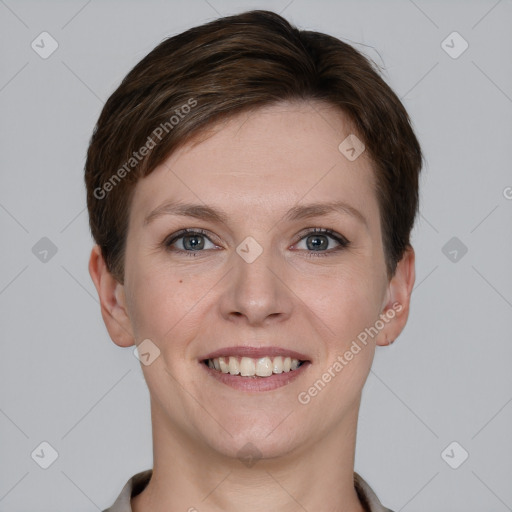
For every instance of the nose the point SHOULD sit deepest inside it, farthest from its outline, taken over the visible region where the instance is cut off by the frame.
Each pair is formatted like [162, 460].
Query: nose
[257, 293]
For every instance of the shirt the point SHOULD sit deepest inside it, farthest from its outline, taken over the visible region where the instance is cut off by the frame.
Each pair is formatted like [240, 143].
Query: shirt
[137, 483]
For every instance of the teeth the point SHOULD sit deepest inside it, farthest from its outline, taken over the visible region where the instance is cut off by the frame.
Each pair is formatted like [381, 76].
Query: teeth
[234, 367]
[277, 365]
[264, 367]
[249, 367]
[224, 367]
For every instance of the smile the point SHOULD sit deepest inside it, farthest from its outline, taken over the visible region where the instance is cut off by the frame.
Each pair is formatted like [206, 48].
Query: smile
[254, 367]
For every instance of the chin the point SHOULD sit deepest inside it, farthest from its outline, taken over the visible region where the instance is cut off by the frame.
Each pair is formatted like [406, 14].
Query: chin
[256, 436]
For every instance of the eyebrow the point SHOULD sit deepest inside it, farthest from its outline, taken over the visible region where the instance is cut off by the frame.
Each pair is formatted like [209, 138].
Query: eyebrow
[299, 212]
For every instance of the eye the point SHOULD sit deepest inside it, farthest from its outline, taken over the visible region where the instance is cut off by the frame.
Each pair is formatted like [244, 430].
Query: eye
[317, 240]
[191, 241]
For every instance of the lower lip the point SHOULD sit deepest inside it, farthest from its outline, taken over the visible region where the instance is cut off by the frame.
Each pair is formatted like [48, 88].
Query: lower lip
[274, 381]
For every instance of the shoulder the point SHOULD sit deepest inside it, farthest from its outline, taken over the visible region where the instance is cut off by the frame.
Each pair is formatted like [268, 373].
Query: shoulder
[367, 496]
[135, 485]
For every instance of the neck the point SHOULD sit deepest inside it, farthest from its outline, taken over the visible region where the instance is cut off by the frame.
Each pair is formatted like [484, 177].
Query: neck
[316, 477]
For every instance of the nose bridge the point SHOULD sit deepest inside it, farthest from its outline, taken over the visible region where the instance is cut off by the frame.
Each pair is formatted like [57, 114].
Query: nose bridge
[257, 291]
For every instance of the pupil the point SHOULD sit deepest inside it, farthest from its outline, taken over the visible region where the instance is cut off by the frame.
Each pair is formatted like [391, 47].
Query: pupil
[194, 242]
[320, 245]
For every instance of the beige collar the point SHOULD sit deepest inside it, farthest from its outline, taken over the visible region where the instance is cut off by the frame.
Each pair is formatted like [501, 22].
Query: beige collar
[137, 483]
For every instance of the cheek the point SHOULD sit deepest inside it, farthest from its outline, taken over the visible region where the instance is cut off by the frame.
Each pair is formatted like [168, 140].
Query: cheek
[348, 306]
[346, 303]
[158, 301]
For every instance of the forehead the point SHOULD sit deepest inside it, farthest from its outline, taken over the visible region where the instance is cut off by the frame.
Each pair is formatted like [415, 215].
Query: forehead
[265, 160]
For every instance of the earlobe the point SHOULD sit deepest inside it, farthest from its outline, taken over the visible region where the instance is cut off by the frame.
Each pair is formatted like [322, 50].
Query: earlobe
[396, 309]
[112, 300]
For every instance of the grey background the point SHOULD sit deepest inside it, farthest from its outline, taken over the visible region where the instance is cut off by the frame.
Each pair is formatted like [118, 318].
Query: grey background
[447, 378]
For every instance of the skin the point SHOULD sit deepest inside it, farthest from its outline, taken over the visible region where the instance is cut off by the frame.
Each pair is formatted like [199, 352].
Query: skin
[255, 167]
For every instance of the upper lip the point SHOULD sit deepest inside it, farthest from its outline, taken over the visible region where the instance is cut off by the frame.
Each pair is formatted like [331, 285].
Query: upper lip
[255, 352]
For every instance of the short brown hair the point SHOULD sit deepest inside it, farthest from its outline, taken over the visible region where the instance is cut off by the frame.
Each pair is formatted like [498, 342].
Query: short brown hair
[234, 64]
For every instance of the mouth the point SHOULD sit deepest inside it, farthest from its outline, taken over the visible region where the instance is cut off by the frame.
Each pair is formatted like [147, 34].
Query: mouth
[255, 368]
[250, 367]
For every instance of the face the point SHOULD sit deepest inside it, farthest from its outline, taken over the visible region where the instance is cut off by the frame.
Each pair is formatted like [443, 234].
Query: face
[263, 282]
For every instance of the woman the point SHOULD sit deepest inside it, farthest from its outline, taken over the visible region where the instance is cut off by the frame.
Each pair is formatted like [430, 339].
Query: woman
[251, 190]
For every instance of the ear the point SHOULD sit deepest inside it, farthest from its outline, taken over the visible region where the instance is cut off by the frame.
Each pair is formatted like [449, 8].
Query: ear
[112, 300]
[398, 295]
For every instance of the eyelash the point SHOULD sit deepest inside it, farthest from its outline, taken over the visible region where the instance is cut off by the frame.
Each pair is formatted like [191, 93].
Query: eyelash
[344, 243]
